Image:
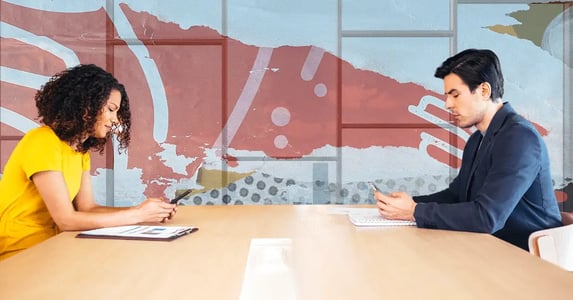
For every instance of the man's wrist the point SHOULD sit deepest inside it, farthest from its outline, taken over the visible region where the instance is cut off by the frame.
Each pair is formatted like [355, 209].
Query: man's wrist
[414, 211]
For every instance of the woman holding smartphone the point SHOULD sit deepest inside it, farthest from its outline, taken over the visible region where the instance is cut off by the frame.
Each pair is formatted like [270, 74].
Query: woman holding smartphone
[46, 184]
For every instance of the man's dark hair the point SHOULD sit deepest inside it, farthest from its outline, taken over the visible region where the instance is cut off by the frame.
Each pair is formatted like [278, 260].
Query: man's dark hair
[71, 101]
[474, 67]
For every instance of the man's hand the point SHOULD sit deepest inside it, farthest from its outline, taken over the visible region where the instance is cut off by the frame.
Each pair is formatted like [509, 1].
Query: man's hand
[395, 206]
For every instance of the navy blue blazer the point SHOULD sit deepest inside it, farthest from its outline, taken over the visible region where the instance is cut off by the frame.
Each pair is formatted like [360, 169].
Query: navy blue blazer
[505, 188]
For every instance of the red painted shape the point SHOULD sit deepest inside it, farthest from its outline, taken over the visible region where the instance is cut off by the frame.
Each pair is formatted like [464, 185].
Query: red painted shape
[204, 75]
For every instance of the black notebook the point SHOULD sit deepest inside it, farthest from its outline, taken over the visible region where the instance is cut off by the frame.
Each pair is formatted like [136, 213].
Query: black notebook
[139, 232]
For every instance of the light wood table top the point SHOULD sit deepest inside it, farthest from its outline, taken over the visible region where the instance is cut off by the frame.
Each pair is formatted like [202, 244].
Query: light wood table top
[331, 258]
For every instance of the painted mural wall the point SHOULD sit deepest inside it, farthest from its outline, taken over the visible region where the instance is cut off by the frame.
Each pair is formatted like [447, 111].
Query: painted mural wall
[285, 102]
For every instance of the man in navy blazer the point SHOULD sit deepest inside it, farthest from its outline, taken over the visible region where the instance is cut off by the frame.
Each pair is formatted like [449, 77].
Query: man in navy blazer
[504, 185]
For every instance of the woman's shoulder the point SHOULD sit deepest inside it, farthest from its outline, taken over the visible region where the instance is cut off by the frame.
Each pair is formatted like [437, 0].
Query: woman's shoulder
[41, 131]
[42, 135]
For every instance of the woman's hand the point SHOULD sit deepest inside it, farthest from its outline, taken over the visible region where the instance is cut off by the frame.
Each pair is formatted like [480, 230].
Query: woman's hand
[155, 210]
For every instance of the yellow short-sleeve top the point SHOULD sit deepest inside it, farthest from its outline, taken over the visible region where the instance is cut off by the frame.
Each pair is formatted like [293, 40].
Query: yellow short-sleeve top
[24, 218]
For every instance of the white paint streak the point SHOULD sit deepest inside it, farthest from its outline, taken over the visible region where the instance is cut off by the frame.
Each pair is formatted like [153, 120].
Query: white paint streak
[311, 63]
[22, 78]
[67, 55]
[16, 120]
[246, 98]
[154, 81]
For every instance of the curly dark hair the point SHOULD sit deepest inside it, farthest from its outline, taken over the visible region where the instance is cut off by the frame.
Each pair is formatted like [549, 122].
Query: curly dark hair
[71, 101]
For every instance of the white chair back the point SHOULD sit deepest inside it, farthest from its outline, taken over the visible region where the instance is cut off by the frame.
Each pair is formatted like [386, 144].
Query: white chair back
[554, 245]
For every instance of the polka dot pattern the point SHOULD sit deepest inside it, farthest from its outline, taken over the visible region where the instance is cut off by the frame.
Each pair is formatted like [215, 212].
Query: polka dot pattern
[265, 189]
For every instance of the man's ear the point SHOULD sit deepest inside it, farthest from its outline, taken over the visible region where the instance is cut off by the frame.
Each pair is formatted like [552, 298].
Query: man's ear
[486, 90]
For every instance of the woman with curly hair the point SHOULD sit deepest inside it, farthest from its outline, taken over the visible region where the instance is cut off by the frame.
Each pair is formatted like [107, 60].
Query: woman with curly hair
[46, 185]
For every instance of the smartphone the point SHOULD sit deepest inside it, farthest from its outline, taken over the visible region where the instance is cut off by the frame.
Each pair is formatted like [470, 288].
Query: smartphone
[176, 199]
[374, 187]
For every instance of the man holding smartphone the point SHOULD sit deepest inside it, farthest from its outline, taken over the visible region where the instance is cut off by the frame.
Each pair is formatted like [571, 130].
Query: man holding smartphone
[504, 186]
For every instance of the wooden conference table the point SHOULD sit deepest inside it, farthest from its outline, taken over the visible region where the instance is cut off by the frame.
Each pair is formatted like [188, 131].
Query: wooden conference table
[330, 259]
